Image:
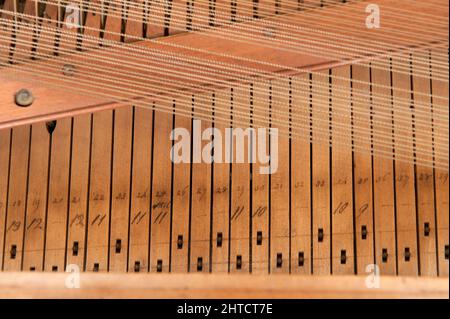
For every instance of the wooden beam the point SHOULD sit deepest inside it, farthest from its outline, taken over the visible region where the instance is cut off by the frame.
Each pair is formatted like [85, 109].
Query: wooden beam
[52, 285]
[262, 51]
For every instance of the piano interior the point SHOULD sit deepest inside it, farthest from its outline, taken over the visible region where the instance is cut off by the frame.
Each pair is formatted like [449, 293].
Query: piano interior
[224, 149]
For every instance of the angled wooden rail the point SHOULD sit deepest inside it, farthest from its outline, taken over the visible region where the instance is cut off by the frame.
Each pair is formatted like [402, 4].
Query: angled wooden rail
[48, 285]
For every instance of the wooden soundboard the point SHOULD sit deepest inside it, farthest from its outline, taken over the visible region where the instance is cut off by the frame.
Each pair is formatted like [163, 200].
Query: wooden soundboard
[91, 184]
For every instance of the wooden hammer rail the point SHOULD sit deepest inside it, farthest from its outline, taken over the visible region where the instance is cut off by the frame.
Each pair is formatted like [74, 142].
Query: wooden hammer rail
[47, 285]
[207, 46]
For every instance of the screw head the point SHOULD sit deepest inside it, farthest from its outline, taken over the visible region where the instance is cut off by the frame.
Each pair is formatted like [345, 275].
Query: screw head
[68, 69]
[269, 32]
[24, 98]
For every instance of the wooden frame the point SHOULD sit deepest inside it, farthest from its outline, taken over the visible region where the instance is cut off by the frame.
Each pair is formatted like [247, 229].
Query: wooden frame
[47, 285]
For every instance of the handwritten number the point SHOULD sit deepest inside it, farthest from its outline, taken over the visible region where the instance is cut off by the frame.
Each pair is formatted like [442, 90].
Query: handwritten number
[14, 226]
[340, 208]
[237, 213]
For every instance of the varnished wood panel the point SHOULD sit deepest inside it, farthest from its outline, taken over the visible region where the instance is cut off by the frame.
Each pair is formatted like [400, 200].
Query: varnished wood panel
[120, 192]
[200, 218]
[181, 196]
[16, 202]
[383, 179]
[5, 144]
[79, 191]
[58, 196]
[320, 188]
[342, 217]
[221, 195]
[35, 230]
[161, 208]
[260, 241]
[239, 259]
[301, 182]
[139, 218]
[280, 209]
[363, 184]
[99, 192]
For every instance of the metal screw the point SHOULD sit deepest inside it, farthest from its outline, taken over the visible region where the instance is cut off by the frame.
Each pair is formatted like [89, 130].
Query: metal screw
[269, 32]
[68, 69]
[24, 98]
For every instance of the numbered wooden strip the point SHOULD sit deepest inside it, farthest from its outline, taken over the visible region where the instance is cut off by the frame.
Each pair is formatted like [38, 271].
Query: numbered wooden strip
[321, 232]
[260, 180]
[132, 19]
[362, 172]
[120, 195]
[51, 15]
[301, 180]
[99, 192]
[181, 188]
[35, 230]
[161, 194]
[404, 143]
[5, 144]
[440, 89]
[17, 195]
[383, 179]
[280, 183]
[139, 222]
[342, 183]
[424, 175]
[240, 179]
[58, 193]
[201, 192]
[78, 197]
[221, 194]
